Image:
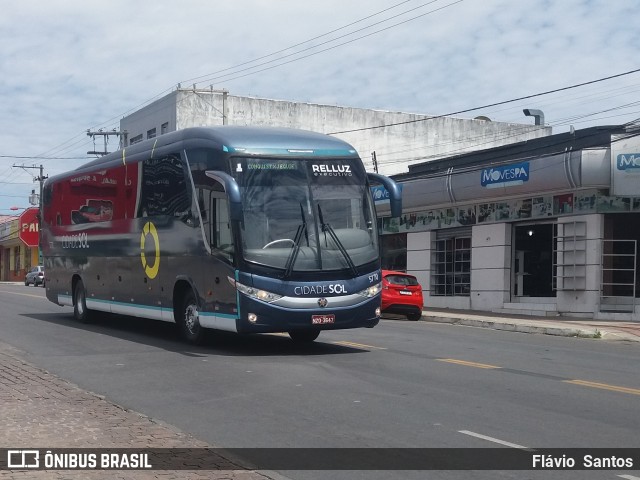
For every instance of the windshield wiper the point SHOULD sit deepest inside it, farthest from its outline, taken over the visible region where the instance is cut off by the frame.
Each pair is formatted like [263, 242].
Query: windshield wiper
[328, 228]
[291, 259]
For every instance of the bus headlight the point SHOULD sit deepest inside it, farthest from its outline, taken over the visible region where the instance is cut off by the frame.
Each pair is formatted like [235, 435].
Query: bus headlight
[371, 291]
[262, 295]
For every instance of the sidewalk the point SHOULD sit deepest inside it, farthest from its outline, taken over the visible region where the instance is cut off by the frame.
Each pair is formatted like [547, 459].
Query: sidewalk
[560, 326]
[42, 411]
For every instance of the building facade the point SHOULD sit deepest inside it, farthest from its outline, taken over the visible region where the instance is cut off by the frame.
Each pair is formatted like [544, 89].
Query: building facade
[545, 227]
[406, 138]
[16, 257]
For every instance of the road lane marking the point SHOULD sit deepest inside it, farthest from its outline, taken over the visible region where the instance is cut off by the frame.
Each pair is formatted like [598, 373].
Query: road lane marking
[23, 294]
[358, 345]
[629, 477]
[343, 343]
[604, 386]
[468, 364]
[494, 440]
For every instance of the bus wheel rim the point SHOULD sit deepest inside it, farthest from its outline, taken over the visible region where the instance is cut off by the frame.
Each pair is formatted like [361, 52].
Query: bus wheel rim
[80, 303]
[191, 318]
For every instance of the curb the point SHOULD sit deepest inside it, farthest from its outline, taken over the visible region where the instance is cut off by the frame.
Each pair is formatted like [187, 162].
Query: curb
[515, 327]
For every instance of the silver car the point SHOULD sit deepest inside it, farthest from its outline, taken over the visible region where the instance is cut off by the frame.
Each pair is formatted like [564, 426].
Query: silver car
[35, 276]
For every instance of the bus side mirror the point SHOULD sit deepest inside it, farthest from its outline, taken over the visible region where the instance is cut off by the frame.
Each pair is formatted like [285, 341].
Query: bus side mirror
[232, 190]
[395, 194]
[235, 211]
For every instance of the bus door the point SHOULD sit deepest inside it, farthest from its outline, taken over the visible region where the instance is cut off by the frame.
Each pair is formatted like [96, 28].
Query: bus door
[219, 294]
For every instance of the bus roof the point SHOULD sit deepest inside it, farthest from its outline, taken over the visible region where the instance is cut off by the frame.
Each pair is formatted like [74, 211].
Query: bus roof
[241, 139]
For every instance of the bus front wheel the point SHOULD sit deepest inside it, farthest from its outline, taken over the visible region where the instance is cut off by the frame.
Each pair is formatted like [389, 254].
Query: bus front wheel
[189, 323]
[304, 336]
[80, 310]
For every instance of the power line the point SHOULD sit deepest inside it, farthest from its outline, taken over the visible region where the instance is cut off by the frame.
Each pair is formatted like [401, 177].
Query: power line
[222, 77]
[40, 157]
[301, 43]
[335, 39]
[266, 56]
[513, 133]
[489, 105]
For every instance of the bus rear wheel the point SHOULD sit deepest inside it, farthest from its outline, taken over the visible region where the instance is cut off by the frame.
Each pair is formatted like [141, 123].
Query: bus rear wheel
[80, 311]
[304, 336]
[188, 320]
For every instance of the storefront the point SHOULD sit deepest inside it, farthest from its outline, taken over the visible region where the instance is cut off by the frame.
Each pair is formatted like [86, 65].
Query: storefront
[543, 227]
[17, 256]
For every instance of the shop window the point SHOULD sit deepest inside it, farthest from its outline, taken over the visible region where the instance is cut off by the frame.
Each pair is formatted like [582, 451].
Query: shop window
[451, 267]
[393, 250]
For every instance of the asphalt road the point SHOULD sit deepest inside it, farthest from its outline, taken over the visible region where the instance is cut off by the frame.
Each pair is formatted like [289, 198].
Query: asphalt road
[401, 384]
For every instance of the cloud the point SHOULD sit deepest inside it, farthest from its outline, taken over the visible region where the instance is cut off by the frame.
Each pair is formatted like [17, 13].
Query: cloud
[66, 66]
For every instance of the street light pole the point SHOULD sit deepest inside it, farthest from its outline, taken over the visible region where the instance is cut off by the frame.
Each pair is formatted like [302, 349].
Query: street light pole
[41, 178]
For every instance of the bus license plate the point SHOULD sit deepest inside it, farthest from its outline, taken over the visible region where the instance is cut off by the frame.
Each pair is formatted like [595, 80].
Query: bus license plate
[322, 319]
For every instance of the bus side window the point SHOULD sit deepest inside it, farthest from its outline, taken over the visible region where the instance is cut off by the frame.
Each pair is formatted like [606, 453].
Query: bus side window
[201, 206]
[164, 189]
[220, 225]
[214, 212]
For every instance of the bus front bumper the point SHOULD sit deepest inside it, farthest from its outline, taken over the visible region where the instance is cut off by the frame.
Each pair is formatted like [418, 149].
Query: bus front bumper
[260, 317]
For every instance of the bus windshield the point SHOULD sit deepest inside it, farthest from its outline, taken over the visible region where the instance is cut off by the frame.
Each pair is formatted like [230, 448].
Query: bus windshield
[303, 215]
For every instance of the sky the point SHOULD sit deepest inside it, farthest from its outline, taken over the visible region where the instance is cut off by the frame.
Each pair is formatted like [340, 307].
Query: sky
[71, 65]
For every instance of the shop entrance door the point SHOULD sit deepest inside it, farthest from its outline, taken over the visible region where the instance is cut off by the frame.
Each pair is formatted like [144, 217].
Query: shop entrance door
[532, 265]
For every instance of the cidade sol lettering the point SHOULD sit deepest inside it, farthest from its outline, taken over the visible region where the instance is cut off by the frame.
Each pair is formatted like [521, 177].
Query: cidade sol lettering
[331, 170]
[334, 289]
[80, 240]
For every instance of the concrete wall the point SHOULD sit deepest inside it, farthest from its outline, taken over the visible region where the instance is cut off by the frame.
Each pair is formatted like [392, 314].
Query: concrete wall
[152, 116]
[587, 250]
[490, 266]
[417, 138]
[419, 260]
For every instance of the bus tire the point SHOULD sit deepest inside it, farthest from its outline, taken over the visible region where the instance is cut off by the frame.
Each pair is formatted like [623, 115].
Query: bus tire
[188, 321]
[80, 311]
[304, 336]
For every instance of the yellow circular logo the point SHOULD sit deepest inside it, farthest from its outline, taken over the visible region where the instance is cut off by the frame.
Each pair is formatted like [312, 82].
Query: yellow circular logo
[151, 271]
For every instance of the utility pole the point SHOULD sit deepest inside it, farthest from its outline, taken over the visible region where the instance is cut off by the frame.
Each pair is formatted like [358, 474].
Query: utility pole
[105, 136]
[375, 161]
[225, 98]
[225, 93]
[41, 178]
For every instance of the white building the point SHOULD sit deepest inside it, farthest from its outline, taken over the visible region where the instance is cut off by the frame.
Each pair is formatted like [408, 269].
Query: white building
[407, 138]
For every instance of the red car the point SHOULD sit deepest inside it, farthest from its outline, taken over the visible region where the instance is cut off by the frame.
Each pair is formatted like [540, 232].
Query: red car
[402, 294]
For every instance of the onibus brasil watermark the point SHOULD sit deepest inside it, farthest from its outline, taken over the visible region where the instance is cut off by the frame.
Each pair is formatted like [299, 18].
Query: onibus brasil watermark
[50, 460]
